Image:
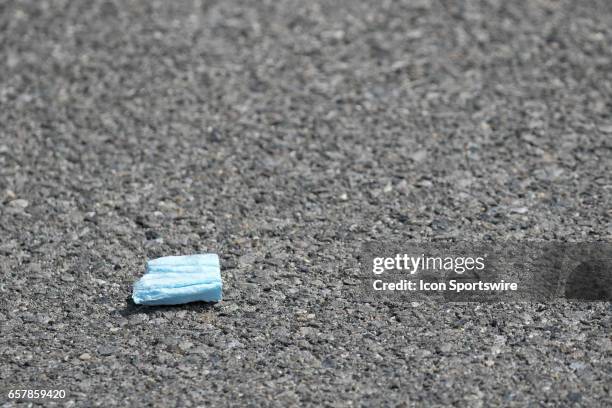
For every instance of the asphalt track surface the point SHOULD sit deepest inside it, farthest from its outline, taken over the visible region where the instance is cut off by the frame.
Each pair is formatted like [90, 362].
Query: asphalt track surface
[283, 135]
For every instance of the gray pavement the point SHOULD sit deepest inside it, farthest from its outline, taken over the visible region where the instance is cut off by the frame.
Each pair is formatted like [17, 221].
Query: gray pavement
[283, 135]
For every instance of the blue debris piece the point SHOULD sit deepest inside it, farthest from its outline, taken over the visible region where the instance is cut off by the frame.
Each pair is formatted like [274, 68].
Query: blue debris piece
[174, 280]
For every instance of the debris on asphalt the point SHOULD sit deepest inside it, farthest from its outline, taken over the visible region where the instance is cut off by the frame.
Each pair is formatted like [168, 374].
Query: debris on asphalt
[174, 280]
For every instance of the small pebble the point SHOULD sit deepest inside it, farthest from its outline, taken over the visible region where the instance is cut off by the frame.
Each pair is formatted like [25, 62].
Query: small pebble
[85, 357]
[520, 210]
[20, 203]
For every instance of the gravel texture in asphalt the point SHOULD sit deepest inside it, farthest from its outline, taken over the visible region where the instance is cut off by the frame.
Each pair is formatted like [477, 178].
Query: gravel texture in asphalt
[283, 135]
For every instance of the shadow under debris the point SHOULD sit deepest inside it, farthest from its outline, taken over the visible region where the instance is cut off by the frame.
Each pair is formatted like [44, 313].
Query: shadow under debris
[132, 308]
